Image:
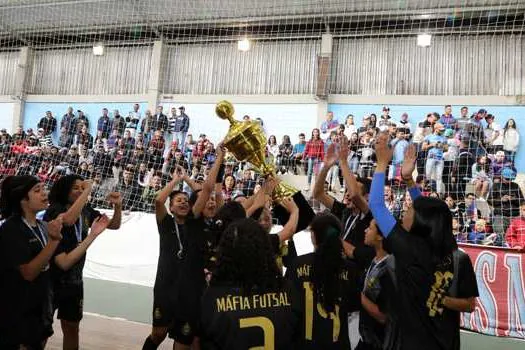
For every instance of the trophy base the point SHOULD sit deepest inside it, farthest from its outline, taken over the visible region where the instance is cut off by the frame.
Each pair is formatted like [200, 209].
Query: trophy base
[306, 213]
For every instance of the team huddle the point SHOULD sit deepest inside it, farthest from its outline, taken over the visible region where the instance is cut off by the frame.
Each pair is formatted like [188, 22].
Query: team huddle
[225, 282]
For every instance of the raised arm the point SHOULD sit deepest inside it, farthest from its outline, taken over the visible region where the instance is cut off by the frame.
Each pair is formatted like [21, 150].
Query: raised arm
[385, 220]
[352, 186]
[66, 260]
[319, 192]
[407, 171]
[115, 199]
[73, 213]
[291, 225]
[207, 187]
[162, 196]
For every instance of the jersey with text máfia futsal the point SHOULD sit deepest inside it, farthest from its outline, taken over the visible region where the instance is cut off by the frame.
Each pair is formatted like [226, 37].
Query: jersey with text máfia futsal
[233, 320]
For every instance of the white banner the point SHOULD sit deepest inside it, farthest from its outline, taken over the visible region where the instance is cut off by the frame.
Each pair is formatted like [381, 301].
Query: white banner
[130, 254]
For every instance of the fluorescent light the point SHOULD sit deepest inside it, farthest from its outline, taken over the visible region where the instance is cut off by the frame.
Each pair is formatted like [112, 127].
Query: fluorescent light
[98, 49]
[424, 40]
[244, 44]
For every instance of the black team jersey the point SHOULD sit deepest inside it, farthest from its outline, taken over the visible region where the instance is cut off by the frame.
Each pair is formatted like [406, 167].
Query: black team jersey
[319, 329]
[231, 319]
[169, 263]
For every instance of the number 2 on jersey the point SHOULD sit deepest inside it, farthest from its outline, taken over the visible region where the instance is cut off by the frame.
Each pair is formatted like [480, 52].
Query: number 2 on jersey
[268, 330]
[309, 314]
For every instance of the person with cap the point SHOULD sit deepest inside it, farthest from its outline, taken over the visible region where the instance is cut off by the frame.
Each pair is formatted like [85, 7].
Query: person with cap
[498, 164]
[44, 139]
[493, 135]
[385, 120]
[505, 199]
[405, 124]
[435, 145]
[48, 123]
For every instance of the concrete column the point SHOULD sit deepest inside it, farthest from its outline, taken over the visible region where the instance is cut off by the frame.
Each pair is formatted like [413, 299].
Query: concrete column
[323, 78]
[23, 70]
[155, 77]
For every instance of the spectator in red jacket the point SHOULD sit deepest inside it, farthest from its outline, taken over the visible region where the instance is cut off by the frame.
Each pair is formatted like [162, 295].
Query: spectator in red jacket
[314, 154]
[515, 235]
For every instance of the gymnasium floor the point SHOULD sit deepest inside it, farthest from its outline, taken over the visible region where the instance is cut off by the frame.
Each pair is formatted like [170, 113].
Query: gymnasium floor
[118, 317]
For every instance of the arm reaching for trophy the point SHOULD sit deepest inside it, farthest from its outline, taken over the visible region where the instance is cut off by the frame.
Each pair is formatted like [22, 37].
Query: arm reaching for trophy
[291, 226]
[319, 193]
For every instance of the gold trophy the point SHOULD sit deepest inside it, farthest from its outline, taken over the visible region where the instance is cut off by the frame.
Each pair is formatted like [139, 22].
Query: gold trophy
[247, 142]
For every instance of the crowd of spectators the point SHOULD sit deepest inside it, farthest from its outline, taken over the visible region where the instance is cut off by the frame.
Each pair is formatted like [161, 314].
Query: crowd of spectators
[466, 160]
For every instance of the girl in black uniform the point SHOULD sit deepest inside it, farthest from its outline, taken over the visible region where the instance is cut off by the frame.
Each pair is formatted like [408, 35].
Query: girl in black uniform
[172, 232]
[68, 197]
[198, 241]
[246, 305]
[326, 285]
[26, 248]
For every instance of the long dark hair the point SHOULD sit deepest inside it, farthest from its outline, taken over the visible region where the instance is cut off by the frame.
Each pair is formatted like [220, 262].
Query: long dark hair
[507, 126]
[60, 191]
[328, 260]
[433, 220]
[14, 189]
[245, 258]
[226, 215]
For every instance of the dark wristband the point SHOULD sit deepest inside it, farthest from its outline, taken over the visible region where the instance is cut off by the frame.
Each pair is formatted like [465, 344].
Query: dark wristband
[220, 174]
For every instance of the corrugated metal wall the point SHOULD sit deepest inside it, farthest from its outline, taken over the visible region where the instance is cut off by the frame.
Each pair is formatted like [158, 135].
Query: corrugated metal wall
[8, 63]
[121, 70]
[452, 65]
[219, 68]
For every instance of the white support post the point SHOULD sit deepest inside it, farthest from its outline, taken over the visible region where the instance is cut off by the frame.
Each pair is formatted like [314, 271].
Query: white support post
[155, 76]
[23, 69]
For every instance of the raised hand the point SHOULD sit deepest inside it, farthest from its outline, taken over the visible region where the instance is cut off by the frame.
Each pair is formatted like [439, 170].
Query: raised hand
[330, 157]
[383, 151]
[179, 174]
[269, 185]
[289, 205]
[87, 184]
[54, 228]
[115, 198]
[409, 162]
[343, 148]
[99, 225]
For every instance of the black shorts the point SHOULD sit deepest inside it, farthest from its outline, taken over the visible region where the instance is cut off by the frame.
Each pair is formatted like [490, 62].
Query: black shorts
[186, 321]
[69, 302]
[183, 331]
[163, 310]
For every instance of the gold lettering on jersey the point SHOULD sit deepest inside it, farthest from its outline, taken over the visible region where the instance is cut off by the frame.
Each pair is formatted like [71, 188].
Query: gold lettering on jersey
[437, 293]
[344, 276]
[304, 270]
[256, 301]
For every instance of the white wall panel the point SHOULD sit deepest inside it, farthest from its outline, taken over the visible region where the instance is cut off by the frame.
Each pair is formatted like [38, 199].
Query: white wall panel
[8, 63]
[284, 67]
[121, 70]
[452, 65]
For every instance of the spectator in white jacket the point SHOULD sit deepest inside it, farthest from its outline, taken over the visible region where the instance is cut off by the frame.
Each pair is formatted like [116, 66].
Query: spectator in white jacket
[511, 140]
